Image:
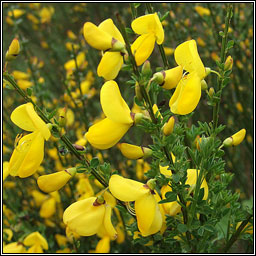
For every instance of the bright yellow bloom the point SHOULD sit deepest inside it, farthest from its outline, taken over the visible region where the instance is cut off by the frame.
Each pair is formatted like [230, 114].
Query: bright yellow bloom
[5, 169]
[13, 50]
[16, 13]
[151, 31]
[87, 216]
[46, 14]
[24, 84]
[20, 75]
[134, 152]
[48, 208]
[15, 247]
[188, 92]
[174, 208]
[168, 127]
[27, 119]
[27, 156]
[106, 37]
[109, 131]
[55, 181]
[36, 242]
[149, 216]
[172, 77]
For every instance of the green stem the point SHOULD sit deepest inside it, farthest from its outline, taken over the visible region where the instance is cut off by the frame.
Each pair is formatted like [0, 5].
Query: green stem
[222, 59]
[134, 11]
[235, 236]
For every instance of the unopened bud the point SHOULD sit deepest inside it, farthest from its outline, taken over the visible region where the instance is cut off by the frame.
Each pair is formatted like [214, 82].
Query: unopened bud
[211, 91]
[100, 200]
[138, 117]
[204, 85]
[228, 142]
[168, 127]
[134, 152]
[228, 63]
[138, 92]
[13, 50]
[207, 71]
[62, 117]
[159, 77]
[146, 69]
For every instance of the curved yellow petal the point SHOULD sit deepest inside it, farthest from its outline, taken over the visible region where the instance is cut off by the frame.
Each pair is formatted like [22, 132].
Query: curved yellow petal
[142, 47]
[188, 94]
[96, 37]
[149, 23]
[110, 65]
[126, 189]
[238, 137]
[109, 27]
[186, 55]
[83, 217]
[27, 156]
[48, 208]
[131, 151]
[27, 119]
[103, 246]
[5, 169]
[108, 224]
[36, 238]
[106, 133]
[14, 247]
[172, 77]
[113, 105]
[145, 208]
[52, 182]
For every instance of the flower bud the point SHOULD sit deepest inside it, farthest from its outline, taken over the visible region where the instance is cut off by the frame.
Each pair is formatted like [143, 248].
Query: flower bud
[207, 71]
[62, 117]
[146, 69]
[211, 91]
[55, 181]
[157, 112]
[138, 117]
[204, 85]
[172, 77]
[13, 50]
[228, 142]
[134, 152]
[117, 46]
[228, 63]
[168, 127]
[138, 92]
[235, 139]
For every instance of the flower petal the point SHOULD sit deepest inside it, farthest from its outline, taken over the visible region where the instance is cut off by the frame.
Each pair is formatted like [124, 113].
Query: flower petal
[35, 238]
[83, 218]
[108, 224]
[27, 119]
[96, 37]
[106, 133]
[187, 56]
[145, 208]
[110, 65]
[142, 47]
[113, 105]
[131, 151]
[149, 23]
[27, 156]
[172, 77]
[126, 189]
[186, 95]
[109, 27]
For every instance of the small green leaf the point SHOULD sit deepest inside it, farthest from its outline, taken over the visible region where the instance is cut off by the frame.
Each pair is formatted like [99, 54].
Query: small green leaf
[221, 33]
[94, 162]
[200, 231]
[182, 228]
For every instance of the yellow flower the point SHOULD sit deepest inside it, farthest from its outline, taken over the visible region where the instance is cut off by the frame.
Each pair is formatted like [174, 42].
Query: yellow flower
[27, 119]
[15, 247]
[188, 91]
[87, 216]
[46, 14]
[55, 181]
[109, 131]
[16, 13]
[174, 208]
[168, 127]
[148, 213]
[27, 156]
[48, 208]
[36, 242]
[13, 50]
[150, 30]
[134, 152]
[106, 37]
[202, 11]
[5, 170]
[235, 139]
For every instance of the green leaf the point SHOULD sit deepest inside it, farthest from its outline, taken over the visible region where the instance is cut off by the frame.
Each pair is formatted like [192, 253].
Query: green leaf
[129, 31]
[29, 91]
[164, 16]
[200, 231]
[170, 197]
[94, 162]
[136, 5]
[182, 228]
[201, 194]
[221, 33]
[230, 44]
